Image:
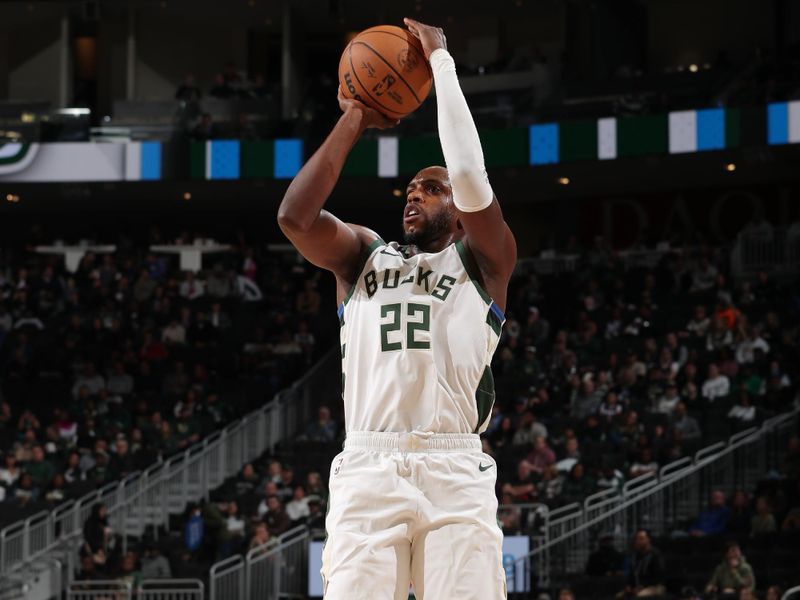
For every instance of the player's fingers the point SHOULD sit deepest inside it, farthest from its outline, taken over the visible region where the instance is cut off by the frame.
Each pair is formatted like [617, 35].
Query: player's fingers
[412, 27]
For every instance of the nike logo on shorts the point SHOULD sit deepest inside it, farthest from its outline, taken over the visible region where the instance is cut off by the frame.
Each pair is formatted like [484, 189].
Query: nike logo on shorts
[481, 468]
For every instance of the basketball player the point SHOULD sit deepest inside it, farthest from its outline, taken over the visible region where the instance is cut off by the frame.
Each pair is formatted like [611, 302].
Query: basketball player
[412, 494]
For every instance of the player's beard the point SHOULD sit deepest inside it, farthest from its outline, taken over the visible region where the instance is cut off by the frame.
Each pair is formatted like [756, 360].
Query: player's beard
[438, 225]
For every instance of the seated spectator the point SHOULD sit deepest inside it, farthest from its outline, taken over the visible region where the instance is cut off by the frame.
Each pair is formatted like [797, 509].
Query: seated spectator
[606, 560]
[154, 564]
[40, 469]
[610, 409]
[261, 538]
[682, 423]
[572, 453]
[316, 517]
[763, 521]
[703, 276]
[667, 403]
[746, 349]
[587, 401]
[234, 523]
[9, 472]
[297, 509]
[324, 429]
[645, 465]
[276, 518]
[205, 128]
[646, 572]
[97, 534]
[191, 288]
[611, 479]
[522, 488]
[733, 574]
[220, 88]
[248, 480]
[719, 337]
[740, 521]
[549, 488]
[743, 413]
[529, 430]
[188, 91]
[716, 385]
[699, 324]
[714, 519]
[218, 284]
[129, 572]
[577, 486]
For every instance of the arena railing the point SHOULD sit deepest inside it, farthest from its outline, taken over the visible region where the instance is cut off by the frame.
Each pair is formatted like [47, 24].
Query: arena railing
[276, 569]
[775, 250]
[148, 589]
[664, 503]
[144, 500]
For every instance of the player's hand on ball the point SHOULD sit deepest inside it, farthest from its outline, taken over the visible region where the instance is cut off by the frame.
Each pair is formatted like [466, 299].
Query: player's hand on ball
[430, 37]
[372, 118]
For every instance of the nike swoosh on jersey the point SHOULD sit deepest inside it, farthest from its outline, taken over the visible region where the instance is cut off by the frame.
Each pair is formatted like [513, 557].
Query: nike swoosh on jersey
[481, 468]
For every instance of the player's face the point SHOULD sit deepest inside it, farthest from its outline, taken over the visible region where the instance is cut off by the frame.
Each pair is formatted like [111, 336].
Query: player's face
[429, 209]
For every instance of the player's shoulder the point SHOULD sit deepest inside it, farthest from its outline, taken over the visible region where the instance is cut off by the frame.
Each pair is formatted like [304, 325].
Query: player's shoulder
[367, 236]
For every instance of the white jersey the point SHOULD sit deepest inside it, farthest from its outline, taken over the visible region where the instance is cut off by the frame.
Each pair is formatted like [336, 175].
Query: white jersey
[417, 338]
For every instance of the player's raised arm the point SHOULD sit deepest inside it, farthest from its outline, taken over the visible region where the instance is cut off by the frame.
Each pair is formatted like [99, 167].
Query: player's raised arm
[487, 234]
[319, 236]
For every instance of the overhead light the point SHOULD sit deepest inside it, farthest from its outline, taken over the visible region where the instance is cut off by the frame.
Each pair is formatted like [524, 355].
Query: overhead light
[563, 181]
[187, 195]
[694, 68]
[397, 192]
[730, 167]
[13, 198]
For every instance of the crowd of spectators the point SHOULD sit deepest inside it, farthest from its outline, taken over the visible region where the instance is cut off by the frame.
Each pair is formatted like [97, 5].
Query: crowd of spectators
[609, 373]
[127, 360]
[765, 522]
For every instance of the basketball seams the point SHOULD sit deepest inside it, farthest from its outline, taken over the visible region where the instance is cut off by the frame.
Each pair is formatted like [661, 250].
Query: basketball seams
[388, 64]
[377, 31]
[363, 87]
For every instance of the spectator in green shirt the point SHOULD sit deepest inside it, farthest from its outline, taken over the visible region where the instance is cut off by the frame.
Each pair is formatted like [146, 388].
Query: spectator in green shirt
[40, 469]
[732, 574]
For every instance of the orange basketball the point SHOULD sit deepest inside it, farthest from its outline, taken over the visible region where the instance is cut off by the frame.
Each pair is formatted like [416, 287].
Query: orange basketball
[384, 67]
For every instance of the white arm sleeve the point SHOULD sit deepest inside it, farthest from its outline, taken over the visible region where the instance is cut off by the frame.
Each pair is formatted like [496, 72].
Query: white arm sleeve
[461, 145]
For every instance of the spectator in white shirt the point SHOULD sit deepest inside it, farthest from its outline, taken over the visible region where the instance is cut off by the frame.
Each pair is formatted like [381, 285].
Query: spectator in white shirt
[89, 379]
[644, 465]
[174, 333]
[703, 275]
[119, 382]
[191, 288]
[667, 403]
[234, 523]
[716, 385]
[700, 322]
[745, 351]
[298, 507]
[744, 412]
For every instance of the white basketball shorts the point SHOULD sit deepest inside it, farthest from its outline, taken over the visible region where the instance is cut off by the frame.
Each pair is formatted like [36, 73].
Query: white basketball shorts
[413, 507]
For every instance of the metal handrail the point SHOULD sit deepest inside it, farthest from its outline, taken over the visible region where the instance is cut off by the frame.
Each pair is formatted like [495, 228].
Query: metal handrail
[639, 495]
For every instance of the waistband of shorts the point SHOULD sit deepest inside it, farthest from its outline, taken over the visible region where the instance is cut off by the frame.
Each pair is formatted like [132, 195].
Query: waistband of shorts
[415, 441]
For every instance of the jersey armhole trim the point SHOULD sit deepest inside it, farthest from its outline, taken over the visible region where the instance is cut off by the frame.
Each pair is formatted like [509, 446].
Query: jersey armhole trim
[472, 270]
[364, 258]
